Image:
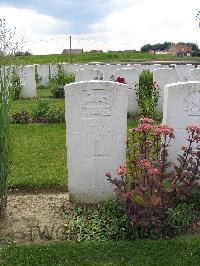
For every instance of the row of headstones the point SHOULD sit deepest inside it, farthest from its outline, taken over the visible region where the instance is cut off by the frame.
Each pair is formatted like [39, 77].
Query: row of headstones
[166, 75]
[96, 120]
[162, 76]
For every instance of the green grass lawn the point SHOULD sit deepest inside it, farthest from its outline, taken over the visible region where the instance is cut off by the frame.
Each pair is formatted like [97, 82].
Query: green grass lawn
[181, 252]
[38, 155]
[27, 104]
[95, 57]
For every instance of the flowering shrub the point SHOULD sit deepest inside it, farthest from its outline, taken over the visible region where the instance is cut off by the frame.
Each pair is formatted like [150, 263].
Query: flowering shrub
[149, 184]
[57, 83]
[16, 85]
[120, 80]
[147, 93]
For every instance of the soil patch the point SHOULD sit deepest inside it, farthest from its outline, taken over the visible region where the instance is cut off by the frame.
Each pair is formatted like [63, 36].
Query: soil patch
[34, 218]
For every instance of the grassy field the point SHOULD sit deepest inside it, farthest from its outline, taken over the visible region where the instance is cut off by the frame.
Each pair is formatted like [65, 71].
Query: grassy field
[38, 155]
[183, 251]
[27, 104]
[95, 57]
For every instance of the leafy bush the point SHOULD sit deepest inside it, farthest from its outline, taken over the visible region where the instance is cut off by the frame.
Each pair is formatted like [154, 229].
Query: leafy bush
[41, 113]
[103, 222]
[42, 87]
[181, 217]
[57, 83]
[21, 118]
[149, 185]
[147, 93]
[41, 109]
[16, 86]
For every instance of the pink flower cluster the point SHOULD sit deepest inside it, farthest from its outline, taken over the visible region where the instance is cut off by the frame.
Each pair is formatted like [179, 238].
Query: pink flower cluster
[121, 170]
[193, 128]
[147, 120]
[150, 169]
[163, 130]
[155, 86]
[120, 80]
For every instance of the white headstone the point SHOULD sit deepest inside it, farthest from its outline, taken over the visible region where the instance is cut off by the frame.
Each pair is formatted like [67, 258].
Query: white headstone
[181, 108]
[195, 74]
[109, 72]
[96, 120]
[27, 78]
[53, 70]
[183, 72]
[43, 74]
[154, 66]
[162, 77]
[140, 67]
[131, 76]
[88, 74]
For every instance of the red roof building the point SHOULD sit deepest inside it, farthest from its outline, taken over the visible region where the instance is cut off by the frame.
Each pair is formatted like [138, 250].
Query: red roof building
[180, 50]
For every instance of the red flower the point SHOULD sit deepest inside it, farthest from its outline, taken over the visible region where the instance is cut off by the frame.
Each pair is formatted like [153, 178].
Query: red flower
[193, 128]
[145, 164]
[163, 130]
[153, 171]
[121, 170]
[146, 120]
[120, 80]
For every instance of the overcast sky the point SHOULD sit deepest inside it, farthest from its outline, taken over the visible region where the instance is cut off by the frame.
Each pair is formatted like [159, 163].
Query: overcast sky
[100, 24]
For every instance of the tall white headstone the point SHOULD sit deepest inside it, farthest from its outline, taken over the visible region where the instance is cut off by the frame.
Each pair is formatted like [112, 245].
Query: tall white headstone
[53, 70]
[96, 120]
[109, 72]
[88, 74]
[131, 76]
[195, 74]
[27, 78]
[181, 108]
[162, 77]
[43, 74]
[183, 72]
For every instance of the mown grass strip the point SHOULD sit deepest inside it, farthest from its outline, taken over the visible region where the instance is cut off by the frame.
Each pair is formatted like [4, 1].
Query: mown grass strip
[181, 251]
[38, 155]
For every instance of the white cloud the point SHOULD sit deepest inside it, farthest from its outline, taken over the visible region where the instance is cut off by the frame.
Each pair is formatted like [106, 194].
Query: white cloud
[140, 22]
[33, 26]
[129, 25]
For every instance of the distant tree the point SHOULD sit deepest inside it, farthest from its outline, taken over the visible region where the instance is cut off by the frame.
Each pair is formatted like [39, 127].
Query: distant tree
[20, 53]
[194, 46]
[155, 47]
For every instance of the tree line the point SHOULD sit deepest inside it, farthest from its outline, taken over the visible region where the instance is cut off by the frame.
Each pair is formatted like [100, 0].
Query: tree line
[166, 45]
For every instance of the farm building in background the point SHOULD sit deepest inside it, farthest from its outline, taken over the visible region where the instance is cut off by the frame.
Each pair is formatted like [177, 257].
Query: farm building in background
[73, 51]
[180, 50]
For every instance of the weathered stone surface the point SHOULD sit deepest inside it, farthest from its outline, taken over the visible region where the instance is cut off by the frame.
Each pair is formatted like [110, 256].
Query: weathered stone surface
[162, 77]
[43, 74]
[96, 119]
[53, 70]
[183, 72]
[27, 78]
[109, 72]
[88, 74]
[195, 74]
[131, 76]
[181, 108]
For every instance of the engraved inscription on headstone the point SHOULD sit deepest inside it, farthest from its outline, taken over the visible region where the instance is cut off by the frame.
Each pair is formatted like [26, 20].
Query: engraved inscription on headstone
[181, 108]
[95, 103]
[96, 126]
[192, 103]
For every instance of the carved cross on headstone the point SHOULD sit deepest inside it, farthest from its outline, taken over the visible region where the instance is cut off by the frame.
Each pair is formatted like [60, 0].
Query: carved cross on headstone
[98, 154]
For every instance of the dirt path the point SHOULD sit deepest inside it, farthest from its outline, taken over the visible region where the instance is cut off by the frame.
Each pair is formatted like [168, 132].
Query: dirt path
[34, 218]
